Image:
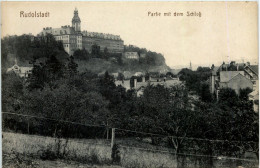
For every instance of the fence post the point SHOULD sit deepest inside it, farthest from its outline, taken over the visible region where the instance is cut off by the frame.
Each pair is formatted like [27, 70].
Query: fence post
[113, 137]
[107, 128]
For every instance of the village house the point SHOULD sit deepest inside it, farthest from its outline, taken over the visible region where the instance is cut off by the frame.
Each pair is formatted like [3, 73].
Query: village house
[22, 71]
[131, 55]
[235, 76]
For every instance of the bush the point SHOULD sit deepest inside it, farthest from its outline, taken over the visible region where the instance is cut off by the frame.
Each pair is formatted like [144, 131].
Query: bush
[115, 154]
[48, 154]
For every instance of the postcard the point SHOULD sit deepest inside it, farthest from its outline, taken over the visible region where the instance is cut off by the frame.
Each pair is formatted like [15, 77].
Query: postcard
[130, 84]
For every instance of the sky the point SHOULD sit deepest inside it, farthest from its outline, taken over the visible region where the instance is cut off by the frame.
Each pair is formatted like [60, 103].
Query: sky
[225, 31]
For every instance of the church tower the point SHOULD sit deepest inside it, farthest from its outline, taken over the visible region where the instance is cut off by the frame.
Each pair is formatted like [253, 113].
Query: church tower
[76, 21]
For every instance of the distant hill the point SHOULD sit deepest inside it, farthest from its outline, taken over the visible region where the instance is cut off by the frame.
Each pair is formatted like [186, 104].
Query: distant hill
[25, 50]
[148, 61]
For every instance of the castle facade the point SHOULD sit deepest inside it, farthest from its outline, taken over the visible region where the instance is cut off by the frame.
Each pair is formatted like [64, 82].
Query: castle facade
[73, 38]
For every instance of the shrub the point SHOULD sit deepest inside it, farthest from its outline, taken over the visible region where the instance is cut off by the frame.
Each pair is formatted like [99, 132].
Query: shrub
[115, 154]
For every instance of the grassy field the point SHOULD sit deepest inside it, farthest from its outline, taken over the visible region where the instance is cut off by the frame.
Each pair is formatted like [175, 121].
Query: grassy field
[22, 161]
[21, 150]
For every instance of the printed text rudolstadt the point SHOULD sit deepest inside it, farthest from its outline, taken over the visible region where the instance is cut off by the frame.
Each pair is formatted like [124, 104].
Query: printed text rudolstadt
[34, 14]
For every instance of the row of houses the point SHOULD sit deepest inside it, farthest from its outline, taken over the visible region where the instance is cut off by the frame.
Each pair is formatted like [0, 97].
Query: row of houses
[236, 76]
[139, 85]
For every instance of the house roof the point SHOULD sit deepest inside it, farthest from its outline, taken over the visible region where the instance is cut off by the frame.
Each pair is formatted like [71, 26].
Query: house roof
[100, 35]
[239, 74]
[20, 69]
[25, 64]
[228, 67]
[254, 68]
[138, 74]
[59, 31]
[226, 76]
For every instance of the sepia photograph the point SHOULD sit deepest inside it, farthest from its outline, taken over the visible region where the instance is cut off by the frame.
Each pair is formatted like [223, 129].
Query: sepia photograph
[129, 84]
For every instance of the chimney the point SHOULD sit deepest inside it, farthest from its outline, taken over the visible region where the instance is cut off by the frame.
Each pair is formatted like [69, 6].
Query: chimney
[135, 81]
[143, 79]
[237, 67]
[149, 78]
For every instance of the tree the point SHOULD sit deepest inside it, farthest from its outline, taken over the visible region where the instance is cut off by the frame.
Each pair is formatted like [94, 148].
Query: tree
[230, 119]
[95, 50]
[228, 97]
[46, 73]
[106, 53]
[81, 54]
[72, 66]
[243, 94]
[120, 76]
[66, 102]
[38, 78]
[170, 74]
[205, 94]
[12, 92]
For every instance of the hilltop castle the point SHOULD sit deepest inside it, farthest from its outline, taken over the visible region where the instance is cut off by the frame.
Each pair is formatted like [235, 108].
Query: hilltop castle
[73, 38]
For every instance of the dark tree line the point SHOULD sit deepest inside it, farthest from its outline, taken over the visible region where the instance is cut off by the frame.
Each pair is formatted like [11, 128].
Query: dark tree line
[197, 81]
[26, 48]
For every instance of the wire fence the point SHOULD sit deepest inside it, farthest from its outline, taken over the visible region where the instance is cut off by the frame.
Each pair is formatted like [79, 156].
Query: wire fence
[137, 140]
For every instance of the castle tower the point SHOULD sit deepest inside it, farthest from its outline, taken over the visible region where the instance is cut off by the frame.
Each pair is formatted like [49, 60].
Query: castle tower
[76, 21]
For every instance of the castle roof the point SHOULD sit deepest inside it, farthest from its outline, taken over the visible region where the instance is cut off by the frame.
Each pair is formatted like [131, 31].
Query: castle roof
[101, 35]
[254, 68]
[58, 31]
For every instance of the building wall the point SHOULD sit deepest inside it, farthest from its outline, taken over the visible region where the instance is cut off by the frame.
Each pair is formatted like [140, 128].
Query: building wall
[212, 83]
[225, 76]
[113, 46]
[66, 40]
[237, 83]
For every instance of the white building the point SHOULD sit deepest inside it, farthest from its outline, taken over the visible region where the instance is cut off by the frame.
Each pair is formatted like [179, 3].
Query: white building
[21, 71]
[131, 55]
